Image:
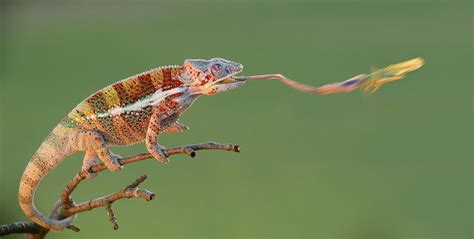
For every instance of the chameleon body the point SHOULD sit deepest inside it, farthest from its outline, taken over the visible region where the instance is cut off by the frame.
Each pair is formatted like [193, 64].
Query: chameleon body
[138, 109]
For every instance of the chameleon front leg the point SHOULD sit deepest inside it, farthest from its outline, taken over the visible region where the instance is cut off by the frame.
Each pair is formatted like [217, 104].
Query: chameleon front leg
[95, 145]
[151, 139]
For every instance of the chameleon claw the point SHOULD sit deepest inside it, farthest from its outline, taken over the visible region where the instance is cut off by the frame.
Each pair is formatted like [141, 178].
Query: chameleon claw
[90, 160]
[161, 156]
[164, 160]
[114, 164]
[89, 174]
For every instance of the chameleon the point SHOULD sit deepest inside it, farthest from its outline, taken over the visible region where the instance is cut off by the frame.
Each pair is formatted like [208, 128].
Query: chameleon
[141, 107]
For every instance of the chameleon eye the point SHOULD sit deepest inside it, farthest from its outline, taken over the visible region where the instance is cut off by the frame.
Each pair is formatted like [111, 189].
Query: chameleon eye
[216, 70]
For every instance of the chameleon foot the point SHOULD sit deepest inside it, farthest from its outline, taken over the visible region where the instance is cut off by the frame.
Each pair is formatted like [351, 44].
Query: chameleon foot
[87, 172]
[157, 152]
[160, 155]
[113, 164]
[90, 159]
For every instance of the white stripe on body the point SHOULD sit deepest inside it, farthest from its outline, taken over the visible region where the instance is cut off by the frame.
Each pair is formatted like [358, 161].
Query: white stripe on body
[151, 100]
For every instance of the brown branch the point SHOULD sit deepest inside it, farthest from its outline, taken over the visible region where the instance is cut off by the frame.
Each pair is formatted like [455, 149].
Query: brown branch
[188, 149]
[20, 227]
[65, 207]
[128, 192]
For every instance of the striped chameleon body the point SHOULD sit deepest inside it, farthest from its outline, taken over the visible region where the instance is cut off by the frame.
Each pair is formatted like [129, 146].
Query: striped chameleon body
[141, 107]
[123, 110]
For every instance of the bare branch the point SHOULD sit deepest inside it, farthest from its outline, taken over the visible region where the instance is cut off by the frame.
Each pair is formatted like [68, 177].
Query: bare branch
[65, 207]
[127, 192]
[188, 150]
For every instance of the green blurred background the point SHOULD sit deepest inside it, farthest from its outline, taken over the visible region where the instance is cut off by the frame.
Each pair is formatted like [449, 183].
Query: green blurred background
[397, 164]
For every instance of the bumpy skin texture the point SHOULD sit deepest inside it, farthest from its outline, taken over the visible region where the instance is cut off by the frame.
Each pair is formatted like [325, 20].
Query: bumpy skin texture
[133, 110]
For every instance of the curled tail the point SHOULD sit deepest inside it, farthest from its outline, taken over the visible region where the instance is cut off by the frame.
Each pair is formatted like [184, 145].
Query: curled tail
[51, 152]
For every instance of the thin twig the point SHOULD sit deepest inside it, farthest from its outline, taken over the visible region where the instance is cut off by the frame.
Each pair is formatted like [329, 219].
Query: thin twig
[111, 215]
[137, 182]
[102, 201]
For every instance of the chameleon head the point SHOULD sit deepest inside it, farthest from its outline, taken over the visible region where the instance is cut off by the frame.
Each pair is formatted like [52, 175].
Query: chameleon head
[213, 76]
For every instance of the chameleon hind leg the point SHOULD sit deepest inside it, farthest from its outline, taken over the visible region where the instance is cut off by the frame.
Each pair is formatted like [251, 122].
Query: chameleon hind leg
[95, 145]
[90, 159]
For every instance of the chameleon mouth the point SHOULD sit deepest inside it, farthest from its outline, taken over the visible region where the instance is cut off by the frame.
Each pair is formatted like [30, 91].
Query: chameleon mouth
[227, 81]
[223, 85]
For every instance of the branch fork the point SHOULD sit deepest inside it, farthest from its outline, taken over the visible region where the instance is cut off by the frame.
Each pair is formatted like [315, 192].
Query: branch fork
[65, 207]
